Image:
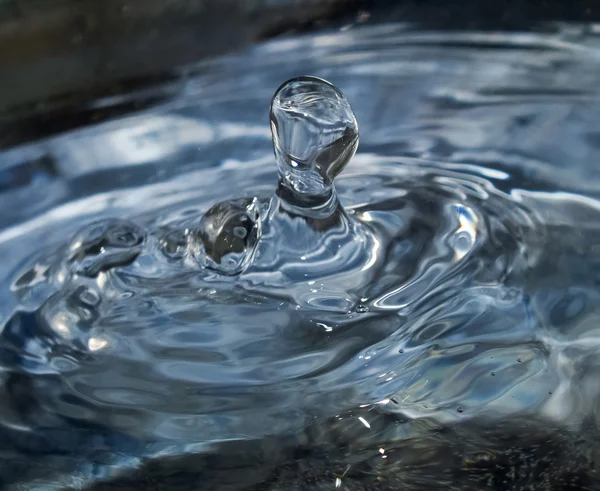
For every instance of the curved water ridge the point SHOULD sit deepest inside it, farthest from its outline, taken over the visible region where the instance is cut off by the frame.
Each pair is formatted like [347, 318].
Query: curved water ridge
[469, 294]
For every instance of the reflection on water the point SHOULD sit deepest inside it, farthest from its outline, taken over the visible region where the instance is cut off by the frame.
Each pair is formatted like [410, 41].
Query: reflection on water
[467, 361]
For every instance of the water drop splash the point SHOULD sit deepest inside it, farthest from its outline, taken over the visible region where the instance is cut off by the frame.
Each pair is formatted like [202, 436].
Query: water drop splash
[310, 248]
[301, 243]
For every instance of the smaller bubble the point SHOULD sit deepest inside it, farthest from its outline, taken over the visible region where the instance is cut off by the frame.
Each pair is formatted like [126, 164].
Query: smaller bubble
[173, 244]
[361, 309]
[401, 351]
[493, 374]
[519, 360]
[459, 409]
[227, 236]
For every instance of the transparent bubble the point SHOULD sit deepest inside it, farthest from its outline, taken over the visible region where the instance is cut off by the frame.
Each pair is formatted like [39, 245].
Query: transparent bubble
[173, 244]
[315, 134]
[228, 235]
[361, 309]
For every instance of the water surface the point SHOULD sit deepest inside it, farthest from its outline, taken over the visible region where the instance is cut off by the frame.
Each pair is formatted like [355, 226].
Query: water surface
[468, 360]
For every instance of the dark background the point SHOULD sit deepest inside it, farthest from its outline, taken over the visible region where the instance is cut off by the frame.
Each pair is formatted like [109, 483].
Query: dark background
[59, 56]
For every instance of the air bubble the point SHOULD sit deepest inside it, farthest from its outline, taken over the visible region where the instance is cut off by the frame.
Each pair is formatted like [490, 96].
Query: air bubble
[228, 235]
[173, 244]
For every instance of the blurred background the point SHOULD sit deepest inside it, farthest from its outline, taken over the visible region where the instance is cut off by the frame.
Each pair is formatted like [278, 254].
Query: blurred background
[59, 58]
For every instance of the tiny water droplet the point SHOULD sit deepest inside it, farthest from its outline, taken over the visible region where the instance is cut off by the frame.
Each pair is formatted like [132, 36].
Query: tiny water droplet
[361, 309]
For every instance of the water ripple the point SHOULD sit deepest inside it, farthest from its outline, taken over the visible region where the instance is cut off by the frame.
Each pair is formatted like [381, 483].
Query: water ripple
[468, 305]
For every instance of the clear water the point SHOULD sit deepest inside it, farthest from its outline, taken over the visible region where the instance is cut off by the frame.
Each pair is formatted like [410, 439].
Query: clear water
[440, 333]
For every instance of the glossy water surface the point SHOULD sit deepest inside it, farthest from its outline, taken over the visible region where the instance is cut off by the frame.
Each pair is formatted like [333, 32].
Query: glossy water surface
[453, 345]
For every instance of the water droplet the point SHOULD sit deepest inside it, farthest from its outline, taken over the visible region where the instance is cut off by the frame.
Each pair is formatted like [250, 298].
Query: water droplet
[315, 134]
[104, 245]
[228, 235]
[174, 244]
[401, 351]
[459, 409]
[361, 309]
